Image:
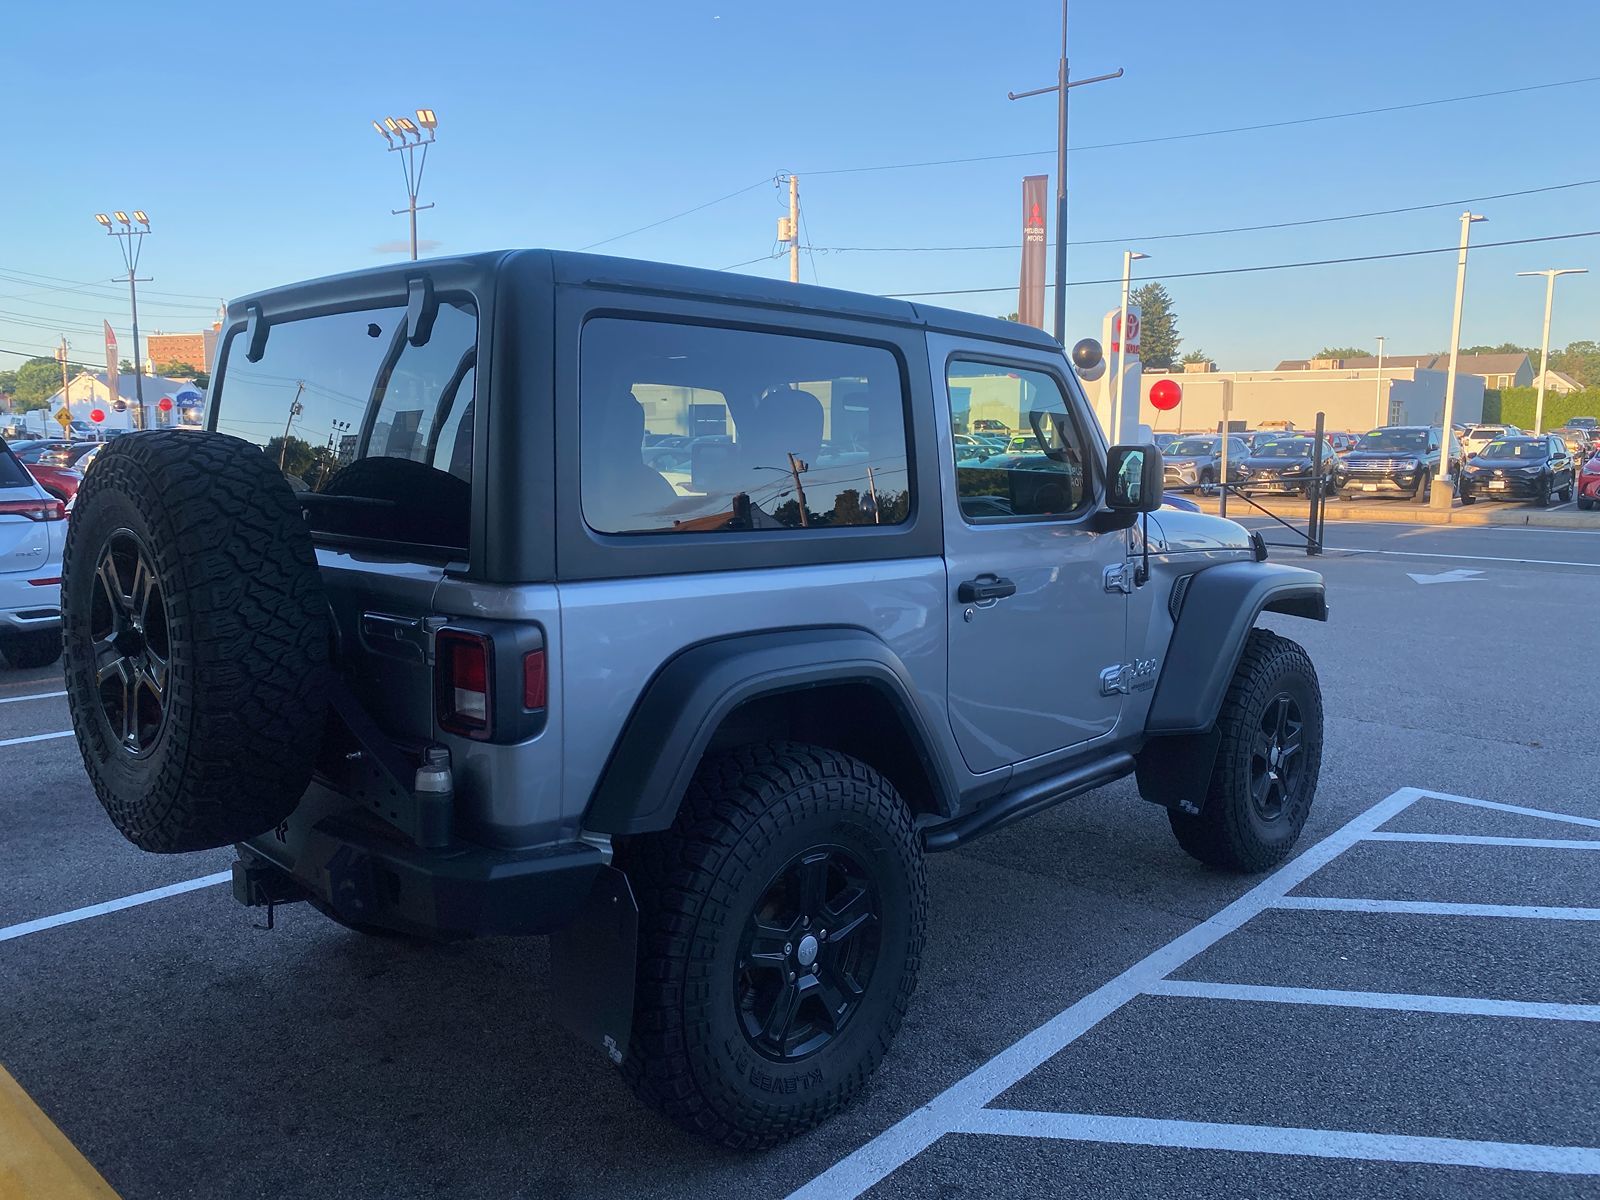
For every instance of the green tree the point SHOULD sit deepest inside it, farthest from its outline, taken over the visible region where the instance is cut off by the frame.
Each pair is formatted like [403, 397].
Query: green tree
[37, 380]
[1343, 352]
[183, 370]
[297, 454]
[125, 366]
[1581, 360]
[1197, 356]
[1158, 330]
[8, 382]
[1507, 348]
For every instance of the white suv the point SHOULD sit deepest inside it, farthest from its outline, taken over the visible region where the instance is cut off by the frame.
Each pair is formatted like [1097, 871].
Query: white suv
[1480, 436]
[33, 531]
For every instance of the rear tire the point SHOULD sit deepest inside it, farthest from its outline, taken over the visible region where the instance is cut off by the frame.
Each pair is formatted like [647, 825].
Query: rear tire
[31, 650]
[1257, 800]
[196, 639]
[734, 1033]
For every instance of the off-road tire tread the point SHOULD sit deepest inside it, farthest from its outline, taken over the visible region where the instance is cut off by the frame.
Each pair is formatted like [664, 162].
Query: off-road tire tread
[249, 629]
[737, 802]
[1220, 835]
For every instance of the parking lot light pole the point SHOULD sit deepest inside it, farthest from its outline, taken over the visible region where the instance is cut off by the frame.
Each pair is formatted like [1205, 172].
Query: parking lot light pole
[131, 241]
[395, 131]
[1445, 494]
[1544, 344]
[1380, 411]
[1128, 257]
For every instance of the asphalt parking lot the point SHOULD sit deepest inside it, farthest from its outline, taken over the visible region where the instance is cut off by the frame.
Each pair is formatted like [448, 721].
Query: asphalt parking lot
[1410, 1007]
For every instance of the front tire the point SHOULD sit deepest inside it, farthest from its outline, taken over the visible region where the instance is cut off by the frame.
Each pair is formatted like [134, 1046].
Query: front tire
[781, 930]
[1265, 773]
[1546, 493]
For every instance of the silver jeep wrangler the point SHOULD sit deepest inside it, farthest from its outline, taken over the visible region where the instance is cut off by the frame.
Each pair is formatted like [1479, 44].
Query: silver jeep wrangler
[661, 611]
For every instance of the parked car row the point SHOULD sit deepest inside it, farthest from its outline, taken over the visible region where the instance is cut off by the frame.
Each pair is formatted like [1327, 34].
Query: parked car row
[32, 536]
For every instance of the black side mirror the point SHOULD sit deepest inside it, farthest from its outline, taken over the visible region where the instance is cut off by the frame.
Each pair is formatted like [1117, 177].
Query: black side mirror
[1134, 479]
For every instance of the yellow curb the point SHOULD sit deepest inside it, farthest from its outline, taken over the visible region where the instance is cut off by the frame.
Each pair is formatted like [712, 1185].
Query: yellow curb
[37, 1162]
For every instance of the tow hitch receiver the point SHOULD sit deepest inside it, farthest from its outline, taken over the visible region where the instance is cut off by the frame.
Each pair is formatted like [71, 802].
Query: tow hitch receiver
[258, 884]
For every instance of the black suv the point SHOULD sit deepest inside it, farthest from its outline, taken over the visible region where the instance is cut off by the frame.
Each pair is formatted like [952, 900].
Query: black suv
[1394, 460]
[1521, 468]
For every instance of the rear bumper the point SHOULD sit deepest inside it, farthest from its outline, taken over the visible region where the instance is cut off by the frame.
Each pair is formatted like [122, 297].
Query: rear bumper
[358, 868]
[25, 606]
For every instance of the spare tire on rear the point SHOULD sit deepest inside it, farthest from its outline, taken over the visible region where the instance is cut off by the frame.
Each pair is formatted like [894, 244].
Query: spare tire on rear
[196, 639]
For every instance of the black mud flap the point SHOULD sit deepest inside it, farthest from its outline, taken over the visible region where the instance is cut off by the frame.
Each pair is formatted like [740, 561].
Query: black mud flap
[1175, 772]
[592, 965]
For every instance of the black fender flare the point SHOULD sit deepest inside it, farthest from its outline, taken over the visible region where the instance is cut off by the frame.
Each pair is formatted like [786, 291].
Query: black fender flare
[681, 708]
[1220, 606]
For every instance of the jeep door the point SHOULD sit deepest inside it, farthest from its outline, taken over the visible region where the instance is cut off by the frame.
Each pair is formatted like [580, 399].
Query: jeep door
[1036, 610]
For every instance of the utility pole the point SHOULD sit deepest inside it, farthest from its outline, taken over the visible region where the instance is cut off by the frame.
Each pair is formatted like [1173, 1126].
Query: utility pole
[1380, 408]
[393, 128]
[872, 487]
[1544, 345]
[795, 469]
[61, 354]
[1060, 87]
[794, 234]
[131, 241]
[295, 409]
[1443, 496]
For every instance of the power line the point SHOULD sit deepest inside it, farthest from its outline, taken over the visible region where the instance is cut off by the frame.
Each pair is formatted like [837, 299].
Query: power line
[675, 216]
[1205, 133]
[1319, 262]
[1158, 237]
[70, 285]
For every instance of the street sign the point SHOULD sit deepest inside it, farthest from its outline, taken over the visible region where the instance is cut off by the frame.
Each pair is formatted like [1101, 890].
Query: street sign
[64, 417]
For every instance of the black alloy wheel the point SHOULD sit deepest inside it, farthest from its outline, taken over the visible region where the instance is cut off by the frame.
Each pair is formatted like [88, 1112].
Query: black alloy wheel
[1275, 757]
[131, 643]
[807, 954]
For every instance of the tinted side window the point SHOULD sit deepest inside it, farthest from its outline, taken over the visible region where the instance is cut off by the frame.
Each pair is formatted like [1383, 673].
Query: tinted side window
[701, 429]
[1042, 473]
[348, 407]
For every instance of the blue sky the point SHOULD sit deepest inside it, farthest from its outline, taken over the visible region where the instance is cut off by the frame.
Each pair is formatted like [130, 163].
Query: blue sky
[246, 138]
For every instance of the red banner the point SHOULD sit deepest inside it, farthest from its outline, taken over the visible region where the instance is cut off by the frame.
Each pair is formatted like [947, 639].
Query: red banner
[1030, 294]
[111, 363]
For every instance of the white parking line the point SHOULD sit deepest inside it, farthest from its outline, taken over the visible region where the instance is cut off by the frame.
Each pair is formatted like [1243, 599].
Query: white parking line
[1270, 1139]
[1434, 908]
[36, 737]
[1474, 839]
[1471, 1006]
[37, 696]
[111, 906]
[1495, 806]
[962, 1107]
[913, 1134]
[1537, 562]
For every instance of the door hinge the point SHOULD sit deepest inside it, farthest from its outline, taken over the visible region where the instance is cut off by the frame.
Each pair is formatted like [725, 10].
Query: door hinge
[1118, 578]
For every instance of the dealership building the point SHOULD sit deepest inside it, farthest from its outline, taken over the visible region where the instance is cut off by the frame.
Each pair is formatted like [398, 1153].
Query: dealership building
[1355, 394]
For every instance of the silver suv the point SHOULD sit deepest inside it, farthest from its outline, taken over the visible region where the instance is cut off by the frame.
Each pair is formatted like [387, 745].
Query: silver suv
[418, 626]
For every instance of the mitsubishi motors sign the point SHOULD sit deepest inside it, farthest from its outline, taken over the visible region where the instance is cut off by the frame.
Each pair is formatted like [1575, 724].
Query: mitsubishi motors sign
[1030, 293]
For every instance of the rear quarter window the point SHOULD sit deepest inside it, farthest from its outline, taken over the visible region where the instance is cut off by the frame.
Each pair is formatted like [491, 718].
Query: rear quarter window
[378, 429]
[12, 472]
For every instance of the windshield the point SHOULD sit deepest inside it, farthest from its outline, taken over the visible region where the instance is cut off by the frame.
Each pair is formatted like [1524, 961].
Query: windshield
[1409, 441]
[1193, 446]
[1285, 448]
[1513, 448]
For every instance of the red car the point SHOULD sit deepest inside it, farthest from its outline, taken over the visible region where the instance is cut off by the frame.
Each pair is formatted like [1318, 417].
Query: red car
[1589, 483]
[60, 482]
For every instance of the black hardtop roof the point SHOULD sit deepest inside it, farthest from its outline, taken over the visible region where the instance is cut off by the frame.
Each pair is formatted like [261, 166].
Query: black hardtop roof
[632, 274]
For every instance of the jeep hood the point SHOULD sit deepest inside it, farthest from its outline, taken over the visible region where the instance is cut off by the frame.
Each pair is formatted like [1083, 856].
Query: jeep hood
[1195, 533]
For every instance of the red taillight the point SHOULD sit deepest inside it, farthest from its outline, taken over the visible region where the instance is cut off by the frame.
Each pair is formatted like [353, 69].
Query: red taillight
[535, 680]
[35, 510]
[462, 682]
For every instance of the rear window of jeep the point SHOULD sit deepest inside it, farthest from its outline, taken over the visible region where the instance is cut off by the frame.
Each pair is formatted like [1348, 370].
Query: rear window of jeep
[380, 430]
[702, 429]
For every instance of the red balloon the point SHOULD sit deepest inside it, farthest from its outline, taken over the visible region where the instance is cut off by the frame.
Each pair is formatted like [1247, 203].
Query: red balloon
[1166, 394]
[164, 404]
[97, 415]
